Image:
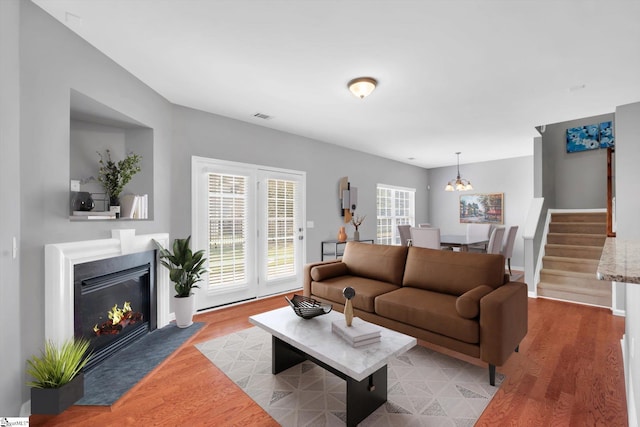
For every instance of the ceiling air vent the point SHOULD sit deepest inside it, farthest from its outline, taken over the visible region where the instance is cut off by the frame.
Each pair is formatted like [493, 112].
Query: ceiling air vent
[262, 116]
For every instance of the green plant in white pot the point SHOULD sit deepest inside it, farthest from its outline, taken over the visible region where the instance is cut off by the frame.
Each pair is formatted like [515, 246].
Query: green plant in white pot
[58, 381]
[185, 268]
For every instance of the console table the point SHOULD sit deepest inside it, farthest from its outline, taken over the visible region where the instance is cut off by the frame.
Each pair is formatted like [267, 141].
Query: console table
[335, 248]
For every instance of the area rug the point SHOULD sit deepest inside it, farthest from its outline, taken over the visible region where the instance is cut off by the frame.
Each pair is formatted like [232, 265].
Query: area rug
[111, 379]
[424, 386]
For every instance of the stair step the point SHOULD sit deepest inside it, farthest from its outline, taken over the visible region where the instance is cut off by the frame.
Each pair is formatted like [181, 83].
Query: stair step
[572, 251]
[570, 293]
[579, 217]
[579, 265]
[576, 239]
[578, 227]
[584, 281]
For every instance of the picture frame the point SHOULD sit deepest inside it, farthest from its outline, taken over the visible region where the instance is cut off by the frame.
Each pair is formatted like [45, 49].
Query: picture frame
[483, 208]
[590, 137]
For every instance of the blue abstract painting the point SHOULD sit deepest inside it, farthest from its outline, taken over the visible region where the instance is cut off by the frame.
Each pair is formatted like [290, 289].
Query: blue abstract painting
[606, 135]
[590, 137]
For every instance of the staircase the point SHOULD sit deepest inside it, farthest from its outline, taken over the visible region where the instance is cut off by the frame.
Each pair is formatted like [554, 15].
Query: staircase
[572, 253]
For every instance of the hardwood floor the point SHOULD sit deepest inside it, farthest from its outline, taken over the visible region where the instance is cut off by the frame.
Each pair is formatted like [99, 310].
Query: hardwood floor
[568, 372]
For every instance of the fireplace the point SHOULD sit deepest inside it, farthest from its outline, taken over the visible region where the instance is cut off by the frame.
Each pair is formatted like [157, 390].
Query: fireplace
[114, 302]
[129, 260]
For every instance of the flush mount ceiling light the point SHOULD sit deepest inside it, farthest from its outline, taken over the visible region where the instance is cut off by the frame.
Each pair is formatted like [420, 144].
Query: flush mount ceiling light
[458, 184]
[362, 86]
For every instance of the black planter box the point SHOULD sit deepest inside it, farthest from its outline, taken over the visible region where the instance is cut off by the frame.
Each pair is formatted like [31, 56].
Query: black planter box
[52, 401]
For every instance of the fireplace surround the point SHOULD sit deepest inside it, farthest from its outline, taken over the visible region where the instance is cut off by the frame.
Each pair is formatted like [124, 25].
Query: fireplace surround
[60, 262]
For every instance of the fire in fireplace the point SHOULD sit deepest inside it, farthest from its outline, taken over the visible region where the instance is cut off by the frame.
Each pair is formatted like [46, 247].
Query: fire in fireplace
[115, 302]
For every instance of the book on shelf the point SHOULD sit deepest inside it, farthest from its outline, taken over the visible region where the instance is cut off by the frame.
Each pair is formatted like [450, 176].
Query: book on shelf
[134, 206]
[359, 333]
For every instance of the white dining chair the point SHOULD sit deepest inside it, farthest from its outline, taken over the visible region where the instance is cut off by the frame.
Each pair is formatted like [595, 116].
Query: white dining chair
[405, 234]
[495, 241]
[476, 232]
[425, 237]
[507, 249]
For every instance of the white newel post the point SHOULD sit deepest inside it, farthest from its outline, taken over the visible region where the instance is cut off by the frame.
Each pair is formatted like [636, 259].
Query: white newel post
[60, 259]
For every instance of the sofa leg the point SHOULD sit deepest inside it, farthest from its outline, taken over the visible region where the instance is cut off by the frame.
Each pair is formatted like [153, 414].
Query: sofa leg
[517, 348]
[492, 374]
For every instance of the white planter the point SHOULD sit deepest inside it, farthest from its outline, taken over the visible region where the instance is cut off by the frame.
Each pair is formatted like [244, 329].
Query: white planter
[184, 309]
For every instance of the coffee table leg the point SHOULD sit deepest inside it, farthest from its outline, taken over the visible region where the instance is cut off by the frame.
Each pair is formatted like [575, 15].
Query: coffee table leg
[283, 356]
[364, 397]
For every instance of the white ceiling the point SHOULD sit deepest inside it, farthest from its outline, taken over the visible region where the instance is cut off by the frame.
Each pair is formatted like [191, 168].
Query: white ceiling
[472, 76]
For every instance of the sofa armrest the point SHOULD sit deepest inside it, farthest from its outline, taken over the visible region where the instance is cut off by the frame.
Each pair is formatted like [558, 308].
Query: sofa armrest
[306, 284]
[503, 322]
[468, 304]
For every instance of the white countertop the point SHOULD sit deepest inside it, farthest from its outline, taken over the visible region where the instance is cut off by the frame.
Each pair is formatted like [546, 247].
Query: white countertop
[620, 261]
[314, 337]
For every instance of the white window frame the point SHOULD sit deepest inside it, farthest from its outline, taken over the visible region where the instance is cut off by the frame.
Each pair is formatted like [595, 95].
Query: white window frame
[394, 219]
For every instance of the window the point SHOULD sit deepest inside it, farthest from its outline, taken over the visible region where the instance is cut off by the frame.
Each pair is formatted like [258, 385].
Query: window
[395, 206]
[227, 229]
[281, 238]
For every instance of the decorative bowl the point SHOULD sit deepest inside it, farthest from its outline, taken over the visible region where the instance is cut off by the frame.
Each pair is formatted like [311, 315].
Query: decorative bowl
[308, 308]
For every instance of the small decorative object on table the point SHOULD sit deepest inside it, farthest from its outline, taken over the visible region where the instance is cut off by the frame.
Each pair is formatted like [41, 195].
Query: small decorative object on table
[348, 293]
[342, 235]
[308, 308]
[357, 221]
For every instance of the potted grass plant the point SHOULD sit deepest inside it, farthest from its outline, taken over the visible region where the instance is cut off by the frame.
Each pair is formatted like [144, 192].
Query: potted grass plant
[58, 380]
[115, 175]
[185, 268]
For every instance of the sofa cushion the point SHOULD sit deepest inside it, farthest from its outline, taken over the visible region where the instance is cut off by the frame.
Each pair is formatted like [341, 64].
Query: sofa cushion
[432, 311]
[377, 262]
[452, 272]
[327, 271]
[468, 304]
[366, 290]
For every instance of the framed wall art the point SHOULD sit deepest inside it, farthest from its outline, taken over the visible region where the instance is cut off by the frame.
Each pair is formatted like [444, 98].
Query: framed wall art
[590, 137]
[482, 208]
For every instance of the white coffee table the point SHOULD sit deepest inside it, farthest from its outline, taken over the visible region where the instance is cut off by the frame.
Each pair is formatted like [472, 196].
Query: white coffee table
[364, 368]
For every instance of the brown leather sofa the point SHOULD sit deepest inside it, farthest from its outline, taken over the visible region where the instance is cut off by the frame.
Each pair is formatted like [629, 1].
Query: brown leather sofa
[458, 300]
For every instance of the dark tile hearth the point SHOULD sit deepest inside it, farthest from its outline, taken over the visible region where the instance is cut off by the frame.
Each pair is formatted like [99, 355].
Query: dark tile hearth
[110, 380]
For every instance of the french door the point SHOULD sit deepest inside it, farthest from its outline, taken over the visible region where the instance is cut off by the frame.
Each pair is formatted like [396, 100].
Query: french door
[249, 220]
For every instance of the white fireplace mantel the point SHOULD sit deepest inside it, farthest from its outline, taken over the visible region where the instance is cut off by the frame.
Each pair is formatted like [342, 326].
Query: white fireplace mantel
[60, 259]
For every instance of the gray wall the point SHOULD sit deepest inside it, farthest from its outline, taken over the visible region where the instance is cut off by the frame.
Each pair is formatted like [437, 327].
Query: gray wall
[513, 177]
[573, 180]
[197, 133]
[627, 132]
[53, 61]
[11, 352]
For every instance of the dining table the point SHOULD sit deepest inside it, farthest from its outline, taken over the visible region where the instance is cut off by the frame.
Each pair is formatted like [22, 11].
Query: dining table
[461, 241]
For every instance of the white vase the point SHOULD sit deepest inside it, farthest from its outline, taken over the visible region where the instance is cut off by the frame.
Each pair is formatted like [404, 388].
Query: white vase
[184, 308]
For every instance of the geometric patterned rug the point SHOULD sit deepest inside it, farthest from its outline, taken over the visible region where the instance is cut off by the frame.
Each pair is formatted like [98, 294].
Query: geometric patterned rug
[424, 387]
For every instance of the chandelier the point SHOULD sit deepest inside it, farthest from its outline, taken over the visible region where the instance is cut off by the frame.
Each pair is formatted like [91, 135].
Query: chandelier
[459, 184]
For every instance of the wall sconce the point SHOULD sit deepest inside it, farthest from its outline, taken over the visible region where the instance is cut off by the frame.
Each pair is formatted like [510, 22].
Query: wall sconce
[348, 199]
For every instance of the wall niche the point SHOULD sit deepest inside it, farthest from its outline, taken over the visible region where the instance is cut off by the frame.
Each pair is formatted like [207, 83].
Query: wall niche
[94, 128]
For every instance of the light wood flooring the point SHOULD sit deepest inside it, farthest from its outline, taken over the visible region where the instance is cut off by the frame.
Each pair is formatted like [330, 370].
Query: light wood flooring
[569, 372]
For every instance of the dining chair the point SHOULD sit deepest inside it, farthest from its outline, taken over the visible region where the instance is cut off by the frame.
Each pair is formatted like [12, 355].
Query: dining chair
[495, 241]
[507, 249]
[405, 234]
[425, 237]
[424, 225]
[478, 232]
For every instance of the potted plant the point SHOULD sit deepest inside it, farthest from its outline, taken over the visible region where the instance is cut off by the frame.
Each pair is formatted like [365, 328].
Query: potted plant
[115, 175]
[58, 381]
[185, 269]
